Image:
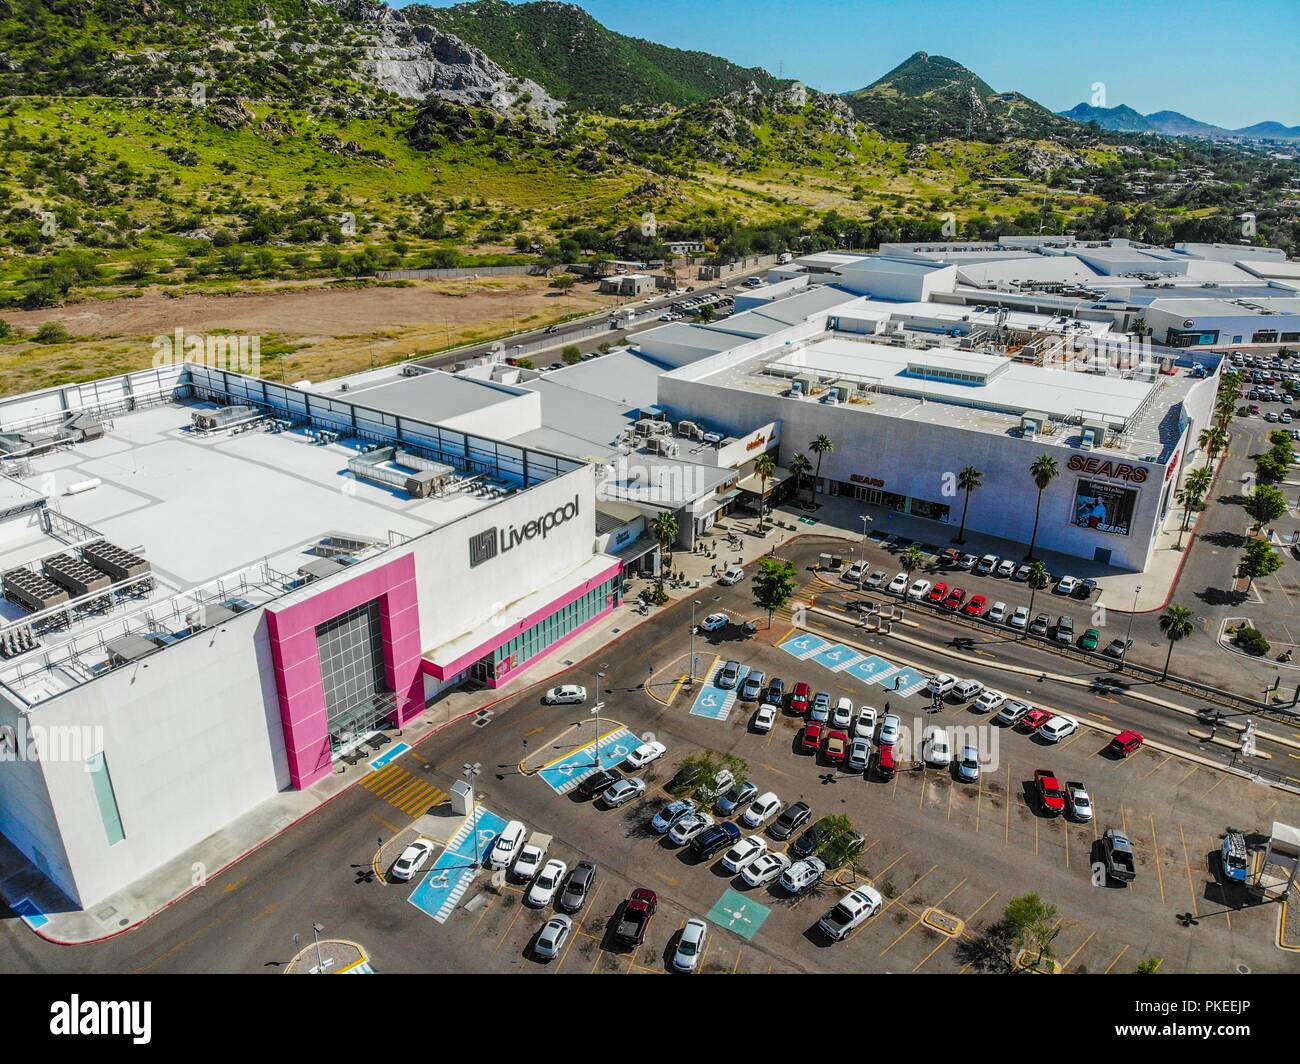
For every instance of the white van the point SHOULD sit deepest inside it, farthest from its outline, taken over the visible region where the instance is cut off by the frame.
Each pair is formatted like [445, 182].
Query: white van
[506, 845]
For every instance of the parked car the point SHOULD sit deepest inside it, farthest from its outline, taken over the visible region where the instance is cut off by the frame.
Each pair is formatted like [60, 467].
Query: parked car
[1066, 586]
[505, 847]
[997, 613]
[842, 714]
[1033, 720]
[1058, 728]
[1021, 574]
[733, 574]
[937, 592]
[865, 727]
[752, 686]
[712, 840]
[855, 572]
[565, 695]
[765, 718]
[1117, 648]
[967, 561]
[1006, 567]
[546, 883]
[634, 917]
[976, 606]
[989, 700]
[791, 820]
[1078, 801]
[1040, 625]
[875, 580]
[729, 675]
[988, 564]
[813, 733]
[690, 945]
[966, 690]
[968, 765]
[1012, 712]
[1085, 588]
[552, 937]
[836, 747]
[800, 876]
[898, 585]
[622, 792]
[1065, 630]
[800, 698]
[920, 589]
[775, 691]
[937, 748]
[596, 783]
[664, 820]
[954, 599]
[645, 754]
[688, 827]
[737, 794]
[1117, 855]
[412, 859]
[1125, 743]
[715, 622]
[578, 887]
[940, 684]
[949, 557]
[744, 853]
[886, 763]
[850, 912]
[763, 809]
[859, 754]
[891, 726]
[766, 868]
[1051, 798]
[1090, 638]
[820, 710]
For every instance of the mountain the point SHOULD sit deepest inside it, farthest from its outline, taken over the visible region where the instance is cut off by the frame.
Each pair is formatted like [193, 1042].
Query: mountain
[1124, 119]
[931, 97]
[578, 60]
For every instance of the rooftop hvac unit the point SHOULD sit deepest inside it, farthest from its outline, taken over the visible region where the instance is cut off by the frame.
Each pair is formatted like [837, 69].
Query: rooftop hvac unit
[206, 420]
[75, 575]
[1092, 434]
[118, 563]
[689, 430]
[804, 385]
[669, 448]
[32, 591]
[1032, 423]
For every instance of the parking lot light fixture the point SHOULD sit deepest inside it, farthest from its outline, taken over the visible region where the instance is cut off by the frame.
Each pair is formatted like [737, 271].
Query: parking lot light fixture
[862, 548]
[690, 680]
[1128, 635]
[600, 675]
[469, 771]
[316, 931]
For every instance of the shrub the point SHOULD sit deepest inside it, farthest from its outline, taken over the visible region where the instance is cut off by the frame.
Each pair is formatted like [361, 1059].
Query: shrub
[1252, 640]
[51, 333]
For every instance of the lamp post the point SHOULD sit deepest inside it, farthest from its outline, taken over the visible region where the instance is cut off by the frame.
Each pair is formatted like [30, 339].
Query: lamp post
[469, 771]
[600, 675]
[862, 549]
[1128, 634]
[316, 930]
[690, 682]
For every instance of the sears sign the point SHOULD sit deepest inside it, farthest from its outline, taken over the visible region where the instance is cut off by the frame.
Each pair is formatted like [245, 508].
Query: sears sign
[487, 544]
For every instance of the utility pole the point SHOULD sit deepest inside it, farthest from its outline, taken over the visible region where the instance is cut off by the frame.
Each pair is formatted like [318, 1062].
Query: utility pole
[469, 771]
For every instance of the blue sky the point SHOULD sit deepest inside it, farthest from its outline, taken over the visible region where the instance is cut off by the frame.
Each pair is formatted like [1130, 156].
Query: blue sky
[1229, 63]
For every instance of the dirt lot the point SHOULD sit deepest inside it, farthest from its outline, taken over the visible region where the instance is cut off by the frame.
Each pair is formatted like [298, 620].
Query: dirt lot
[324, 332]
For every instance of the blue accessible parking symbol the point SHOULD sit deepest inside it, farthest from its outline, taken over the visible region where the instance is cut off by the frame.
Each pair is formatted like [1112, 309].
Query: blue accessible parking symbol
[566, 773]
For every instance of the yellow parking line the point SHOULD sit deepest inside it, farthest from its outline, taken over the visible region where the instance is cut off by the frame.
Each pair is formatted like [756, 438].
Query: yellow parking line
[580, 749]
[1007, 837]
[1116, 960]
[1187, 860]
[1155, 846]
[1168, 758]
[1090, 937]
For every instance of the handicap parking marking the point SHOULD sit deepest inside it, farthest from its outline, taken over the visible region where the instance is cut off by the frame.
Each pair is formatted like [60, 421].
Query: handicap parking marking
[906, 681]
[872, 669]
[803, 645]
[837, 657]
[30, 912]
[715, 702]
[566, 773]
[437, 894]
[392, 755]
[738, 913]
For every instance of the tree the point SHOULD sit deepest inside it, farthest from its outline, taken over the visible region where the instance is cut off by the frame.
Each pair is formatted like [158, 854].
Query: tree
[821, 446]
[1211, 441]
[968, 480]
[1265, 504]
[571, 353]
[1258, 558]
[800, 467]
[1033, 924]
[1044, 471]
[1177, 623]
[706, 313]
[1039, 577]
[564, 282]
[664, 529]
[911, 559]
[764, 466]
[774, 585]
[1270, 468]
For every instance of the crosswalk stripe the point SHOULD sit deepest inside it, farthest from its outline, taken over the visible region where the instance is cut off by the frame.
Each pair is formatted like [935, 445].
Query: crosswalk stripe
[383, 776]
[398, 796]
[422, 800]
[392, 784]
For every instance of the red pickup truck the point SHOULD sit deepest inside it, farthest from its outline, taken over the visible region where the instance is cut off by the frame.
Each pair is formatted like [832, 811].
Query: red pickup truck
[1051, 796]
[635, 917]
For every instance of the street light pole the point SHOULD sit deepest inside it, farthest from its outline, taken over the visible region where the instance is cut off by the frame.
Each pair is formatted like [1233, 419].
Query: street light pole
[316, 930]
[862, 549]
[600, 675]
[691, 667]
[469, 771]
[1128, 634]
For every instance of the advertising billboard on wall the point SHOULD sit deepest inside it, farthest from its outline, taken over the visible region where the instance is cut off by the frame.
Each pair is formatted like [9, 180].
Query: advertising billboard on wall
[1104, 507]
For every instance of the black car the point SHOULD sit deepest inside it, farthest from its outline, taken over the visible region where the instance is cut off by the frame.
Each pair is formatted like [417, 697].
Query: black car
[794, 817]
[581, 882]
[811, 840]
[714, 840]
[1085, 588]
[775, 692]
[597, 783]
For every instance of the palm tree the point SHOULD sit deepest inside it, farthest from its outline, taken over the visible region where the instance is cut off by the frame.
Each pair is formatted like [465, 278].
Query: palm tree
[1184, 497]
[911, 559]
[821, 446]
[1038, 577]
[1177, 622]
[664, 529]
[800, 467]
[968, 480]
[1211, 441]
[764, 466]
[1044, 471]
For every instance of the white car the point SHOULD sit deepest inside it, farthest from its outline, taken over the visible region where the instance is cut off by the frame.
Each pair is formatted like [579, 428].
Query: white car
[1019, 619]
[621, 792]
[766, 868]
[733, 574]
[744, 853]
[506, 845]
[1022, 574]
[937, 749]
[714, 621]
[968, 561]
[552, 937]
[765, 717]
[919, 590]
[644, 754]
[528, 862]
[876, 579]
[891, 726]
[688, 827]
[940, 684]
[567, 695]
[988, 564]
[1067, 585]
[1006, 567]
[761, 810]
[799, 877]
[989, 700]
[842, 714]
[965, 690]
[854, 572]
[546, 884]
[859, 754]
[898, 585]
[865, 728]
[1058, 728]
[997, 613]
[690, 945]
[852, 911]
[412, 859]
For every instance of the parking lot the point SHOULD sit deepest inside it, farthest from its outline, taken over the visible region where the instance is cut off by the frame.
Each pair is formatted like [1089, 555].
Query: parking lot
[946, 856]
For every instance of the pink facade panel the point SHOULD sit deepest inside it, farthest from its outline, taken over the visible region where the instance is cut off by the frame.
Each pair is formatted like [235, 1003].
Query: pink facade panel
[294, 652]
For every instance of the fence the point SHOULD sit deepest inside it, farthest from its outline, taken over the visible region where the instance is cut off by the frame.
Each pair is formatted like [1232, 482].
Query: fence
[458, 272]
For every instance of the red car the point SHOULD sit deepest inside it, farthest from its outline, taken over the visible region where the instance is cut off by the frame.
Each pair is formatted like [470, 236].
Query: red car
[950, 557]
[938, 593]
[976, 607]
[1050, 794]
[955, 598]
[812, 736]
[1034, 719]
[1125, 743]
[886, 766]
[837, 747]
[800, 697]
